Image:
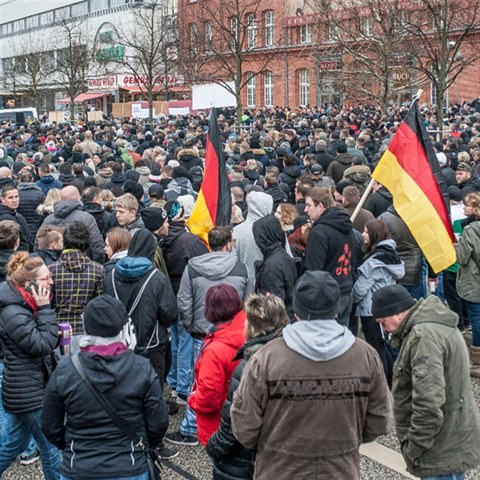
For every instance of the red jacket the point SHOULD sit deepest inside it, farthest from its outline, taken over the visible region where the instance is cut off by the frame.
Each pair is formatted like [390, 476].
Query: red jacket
[213, 371]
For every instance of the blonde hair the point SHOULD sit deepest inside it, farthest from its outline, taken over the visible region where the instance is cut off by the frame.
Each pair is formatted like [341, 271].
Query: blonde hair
[288, 213]
[108, 200]
[21, 268]
[265, 314]
[463, 157]
[127, 201]
[473, 199]
[47, 234]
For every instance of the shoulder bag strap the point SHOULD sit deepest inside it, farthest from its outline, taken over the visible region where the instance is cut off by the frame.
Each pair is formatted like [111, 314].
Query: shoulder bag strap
[140, 292]
[106, 405]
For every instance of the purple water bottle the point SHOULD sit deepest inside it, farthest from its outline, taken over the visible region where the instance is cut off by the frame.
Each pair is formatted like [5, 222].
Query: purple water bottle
[65, 340]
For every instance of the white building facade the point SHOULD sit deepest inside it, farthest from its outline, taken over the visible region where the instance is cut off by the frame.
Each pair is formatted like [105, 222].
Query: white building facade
[30, 30]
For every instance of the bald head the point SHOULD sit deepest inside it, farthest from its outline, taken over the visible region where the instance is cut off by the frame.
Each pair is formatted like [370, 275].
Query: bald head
[70, 193]
[5, 172]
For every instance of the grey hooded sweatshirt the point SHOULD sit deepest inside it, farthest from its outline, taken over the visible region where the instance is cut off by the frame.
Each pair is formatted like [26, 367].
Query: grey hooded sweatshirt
[259, 205]
[201, 273]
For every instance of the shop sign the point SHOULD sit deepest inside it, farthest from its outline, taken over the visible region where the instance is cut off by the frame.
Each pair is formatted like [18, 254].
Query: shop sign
[328, 65]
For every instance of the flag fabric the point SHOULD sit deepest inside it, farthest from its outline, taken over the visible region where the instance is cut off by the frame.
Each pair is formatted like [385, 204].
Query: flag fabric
[409, 170]
[214, 202]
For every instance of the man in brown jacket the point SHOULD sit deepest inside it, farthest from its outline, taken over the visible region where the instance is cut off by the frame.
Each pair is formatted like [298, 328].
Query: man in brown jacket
[308, 399]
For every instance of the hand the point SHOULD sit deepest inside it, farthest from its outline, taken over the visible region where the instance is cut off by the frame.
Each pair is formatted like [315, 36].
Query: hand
[41, 295]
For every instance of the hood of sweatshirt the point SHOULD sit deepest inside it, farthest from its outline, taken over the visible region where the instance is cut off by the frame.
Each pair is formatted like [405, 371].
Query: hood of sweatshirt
[63, 208]
[336, 218]
[259, 204]
[318, 340]
[214, 266]
[133, 267]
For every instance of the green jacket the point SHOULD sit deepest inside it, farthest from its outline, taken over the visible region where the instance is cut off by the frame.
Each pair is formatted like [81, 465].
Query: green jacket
[468, 256]
[437, 420]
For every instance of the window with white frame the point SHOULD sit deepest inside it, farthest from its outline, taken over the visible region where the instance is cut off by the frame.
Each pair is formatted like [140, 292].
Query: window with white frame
[252, 30]
[269, 28]
[268, 89]
[208, 37]
[366, 26]
[305, 33]
[251, 90]
[234, 32]
[303, 87]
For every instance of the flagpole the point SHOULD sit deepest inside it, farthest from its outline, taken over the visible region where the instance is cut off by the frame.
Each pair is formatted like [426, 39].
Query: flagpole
[367, 191]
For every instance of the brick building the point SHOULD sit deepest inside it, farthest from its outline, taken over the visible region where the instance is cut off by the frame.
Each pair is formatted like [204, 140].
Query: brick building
[289, 57]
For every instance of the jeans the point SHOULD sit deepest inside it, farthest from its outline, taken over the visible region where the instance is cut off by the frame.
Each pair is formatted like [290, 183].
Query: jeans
[474, 316]
[180, 376]
[6, 422]
[453, 476]
[143, 476]
[416, 291]
[189, 422]
[22, 426]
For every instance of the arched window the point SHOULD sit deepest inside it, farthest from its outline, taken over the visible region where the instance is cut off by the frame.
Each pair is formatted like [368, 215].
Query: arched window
[251, 90]
[269, 19]
[303, 87]
[208, 37]
[268, 89]
[194, 38]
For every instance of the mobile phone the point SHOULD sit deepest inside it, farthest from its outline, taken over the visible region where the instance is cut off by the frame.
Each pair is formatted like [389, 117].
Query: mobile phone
[31, 285]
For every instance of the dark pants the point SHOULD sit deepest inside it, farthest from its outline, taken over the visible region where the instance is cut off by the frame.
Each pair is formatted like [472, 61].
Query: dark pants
[157, 359]
[373, 335]
[455, 303]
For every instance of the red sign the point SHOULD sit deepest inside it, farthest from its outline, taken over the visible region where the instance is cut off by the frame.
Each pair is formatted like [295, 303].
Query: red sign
[328, 65]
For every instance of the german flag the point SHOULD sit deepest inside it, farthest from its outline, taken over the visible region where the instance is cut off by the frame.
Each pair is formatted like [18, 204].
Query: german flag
[409, 170]
[214, 202]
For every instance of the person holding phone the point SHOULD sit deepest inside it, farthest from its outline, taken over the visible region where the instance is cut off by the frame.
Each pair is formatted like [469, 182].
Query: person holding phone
[28, 336]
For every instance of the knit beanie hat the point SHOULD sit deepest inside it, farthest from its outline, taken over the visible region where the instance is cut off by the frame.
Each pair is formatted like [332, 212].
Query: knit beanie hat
[153, 218]
[316, 296]
[174, 210]
[104, 316]
[390, 300]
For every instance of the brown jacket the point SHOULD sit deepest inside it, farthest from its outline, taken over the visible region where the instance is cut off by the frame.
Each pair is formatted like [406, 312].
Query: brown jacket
[305, 418]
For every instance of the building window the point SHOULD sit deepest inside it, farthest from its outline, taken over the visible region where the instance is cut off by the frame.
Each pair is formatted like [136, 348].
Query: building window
[269, 29]
[97, 5]
[304, 87]
[194, 38]
[268, 89]
[208, 37]
[333, 31]
[251, 90]
[234, 32]
[305, 34]
[366, 26]
[252, 30]
[46, 18]
[79, 9]
[32, 22]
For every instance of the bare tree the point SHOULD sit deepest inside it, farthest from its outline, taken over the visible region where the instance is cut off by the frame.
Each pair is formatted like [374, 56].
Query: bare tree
[442, 41]
[224, 37]
[33, 68]
[149, 42]
[74, 60]
[366, 37]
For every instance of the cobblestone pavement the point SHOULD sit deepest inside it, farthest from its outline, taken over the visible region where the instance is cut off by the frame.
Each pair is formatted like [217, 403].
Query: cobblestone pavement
[194, 460]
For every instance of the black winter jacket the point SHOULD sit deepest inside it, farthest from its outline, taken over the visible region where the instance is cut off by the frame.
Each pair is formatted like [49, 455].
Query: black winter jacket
[232, 461]
[178, 248]
[26, 239]
[31, 196]
[379, 201]
[93, 446]
[332, 247]
[276, 273]
[157, 305]
[104, 219]
[289, 176]
[27, 344]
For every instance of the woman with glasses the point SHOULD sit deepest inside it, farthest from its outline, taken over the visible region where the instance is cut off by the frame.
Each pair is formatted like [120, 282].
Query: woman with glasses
[28, 336]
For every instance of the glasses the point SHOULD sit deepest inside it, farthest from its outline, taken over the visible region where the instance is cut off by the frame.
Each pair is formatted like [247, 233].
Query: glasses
[48, 277]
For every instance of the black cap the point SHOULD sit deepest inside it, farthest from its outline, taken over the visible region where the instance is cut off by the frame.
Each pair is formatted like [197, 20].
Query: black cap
[390, 300]
[104, 316]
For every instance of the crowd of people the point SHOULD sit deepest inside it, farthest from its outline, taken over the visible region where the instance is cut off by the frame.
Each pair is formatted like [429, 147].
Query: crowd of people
[257, 333]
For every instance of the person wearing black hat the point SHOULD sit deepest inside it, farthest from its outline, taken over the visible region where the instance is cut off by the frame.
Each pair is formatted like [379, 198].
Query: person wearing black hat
[437, 420]
[92, 445]
[467, 182]
[312, 396]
